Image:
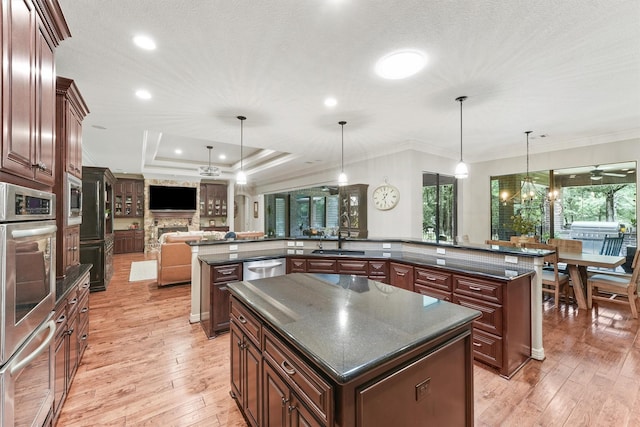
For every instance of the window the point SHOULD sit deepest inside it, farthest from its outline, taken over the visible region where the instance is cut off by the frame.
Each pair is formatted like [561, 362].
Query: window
[439, 196]
[307, 212]
[583, 203]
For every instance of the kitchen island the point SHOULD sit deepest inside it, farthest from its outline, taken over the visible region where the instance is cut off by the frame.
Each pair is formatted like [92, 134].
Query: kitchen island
[324, 350]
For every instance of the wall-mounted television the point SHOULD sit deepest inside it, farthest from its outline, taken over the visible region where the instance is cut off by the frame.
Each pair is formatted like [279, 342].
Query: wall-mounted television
[166, 198]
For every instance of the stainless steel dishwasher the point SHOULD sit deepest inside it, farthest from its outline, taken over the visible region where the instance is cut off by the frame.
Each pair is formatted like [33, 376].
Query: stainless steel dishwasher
[264, 268]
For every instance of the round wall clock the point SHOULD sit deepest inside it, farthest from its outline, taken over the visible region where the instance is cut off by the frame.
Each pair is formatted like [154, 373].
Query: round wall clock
[385, 197]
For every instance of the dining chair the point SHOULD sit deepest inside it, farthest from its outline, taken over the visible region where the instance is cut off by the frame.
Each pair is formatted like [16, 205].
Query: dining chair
[553, 280]
[611, 245]
[569, 246]
[616, 288]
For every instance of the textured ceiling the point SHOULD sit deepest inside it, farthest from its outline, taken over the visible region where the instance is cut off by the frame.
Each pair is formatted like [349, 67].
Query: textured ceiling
[567, 69]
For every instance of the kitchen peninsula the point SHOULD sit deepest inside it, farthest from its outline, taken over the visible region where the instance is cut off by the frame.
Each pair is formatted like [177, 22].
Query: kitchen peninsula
[503, 283]
[324, 350]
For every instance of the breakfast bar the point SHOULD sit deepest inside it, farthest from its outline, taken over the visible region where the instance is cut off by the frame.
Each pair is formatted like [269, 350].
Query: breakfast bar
[327, 349]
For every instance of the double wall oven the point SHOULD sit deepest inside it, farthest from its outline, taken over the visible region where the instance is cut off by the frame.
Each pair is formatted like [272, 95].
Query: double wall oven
[27, 289]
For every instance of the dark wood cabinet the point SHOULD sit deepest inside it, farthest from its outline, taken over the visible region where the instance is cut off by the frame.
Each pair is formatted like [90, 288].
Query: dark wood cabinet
[215, 296]
[96, 230]
[72, 329]
[32, 30]
[353, 210]
[70, 112]
[322, 265]
[128, 198]
[401, 276]
[296, 265]
[502, 335]
[246, 364]
[128, 241]
[213, 200]
[379, 271]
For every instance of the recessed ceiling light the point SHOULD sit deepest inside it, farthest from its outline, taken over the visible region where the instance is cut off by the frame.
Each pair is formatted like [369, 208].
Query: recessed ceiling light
[330, 102]
[143, 94]
[400, 64]
[222, 156]
[177, 151]
[144, 42]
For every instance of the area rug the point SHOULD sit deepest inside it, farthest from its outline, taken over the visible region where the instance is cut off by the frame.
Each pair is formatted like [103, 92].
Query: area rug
[143, 270]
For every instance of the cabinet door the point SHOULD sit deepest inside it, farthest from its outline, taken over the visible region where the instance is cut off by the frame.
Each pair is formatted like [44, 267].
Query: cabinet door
[353, 266]
[379, 271]
[301, 416]
[118, 242]
[235, 353]
[253, 386]
[220, 310]
[74, 348]
[139, 198]
[74, 142]
[138, 245]
[203, 200]
[322, 265]
[19, 89]
[45, 147]
[296, 265]
[276, 398]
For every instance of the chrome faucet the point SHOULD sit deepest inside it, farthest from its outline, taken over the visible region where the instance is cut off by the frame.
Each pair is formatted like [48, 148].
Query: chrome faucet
[344, 215]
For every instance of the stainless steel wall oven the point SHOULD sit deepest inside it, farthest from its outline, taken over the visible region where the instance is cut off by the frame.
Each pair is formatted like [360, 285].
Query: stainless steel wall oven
[27, 289]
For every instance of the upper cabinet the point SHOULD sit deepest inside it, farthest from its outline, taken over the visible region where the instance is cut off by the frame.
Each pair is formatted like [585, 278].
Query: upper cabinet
[353, 210]
[129, 198]
[31, 31]
[213, 200]
[70, 111]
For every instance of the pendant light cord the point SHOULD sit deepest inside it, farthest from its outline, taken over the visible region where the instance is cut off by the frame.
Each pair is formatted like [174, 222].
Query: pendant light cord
[528, 132]
[342, 152]
[242, 119]
[461, 99]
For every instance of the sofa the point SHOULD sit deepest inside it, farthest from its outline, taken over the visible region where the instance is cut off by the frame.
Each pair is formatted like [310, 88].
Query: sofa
[174, 257]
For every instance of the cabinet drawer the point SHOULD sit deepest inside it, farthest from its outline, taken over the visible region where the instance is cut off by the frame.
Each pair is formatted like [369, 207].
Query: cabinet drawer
[312, 389]
[478, 288]
[246, 320]
[61, 319]
[357, 267]
[296, 265]
[433, 279]
[491, 319]
[435, 293]
[378, 269]
[487, 348]
[322, 266]
[83, 310]
[226, 273]
[401, 276]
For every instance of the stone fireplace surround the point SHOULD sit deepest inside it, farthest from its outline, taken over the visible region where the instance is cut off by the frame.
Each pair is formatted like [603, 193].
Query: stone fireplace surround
[155, 224]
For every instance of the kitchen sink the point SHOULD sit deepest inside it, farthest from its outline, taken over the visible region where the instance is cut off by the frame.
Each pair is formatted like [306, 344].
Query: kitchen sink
[337, 252]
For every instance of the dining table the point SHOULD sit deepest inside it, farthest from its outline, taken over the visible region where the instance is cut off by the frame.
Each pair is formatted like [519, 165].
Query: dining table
[577, 264]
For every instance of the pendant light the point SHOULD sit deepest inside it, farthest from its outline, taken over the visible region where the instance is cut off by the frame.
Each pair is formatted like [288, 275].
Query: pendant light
[528, 190]
[241, 177]
[209, 170]
[342, 178]
[461, 171]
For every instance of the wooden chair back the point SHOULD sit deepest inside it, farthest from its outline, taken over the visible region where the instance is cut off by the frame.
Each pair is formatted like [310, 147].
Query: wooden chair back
[500, 243]
[621, 289]
[567, 245]
[552, 281]
[519, 239]
[611, 245]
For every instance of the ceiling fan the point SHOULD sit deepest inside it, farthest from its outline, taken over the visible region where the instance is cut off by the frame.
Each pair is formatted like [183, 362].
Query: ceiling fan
[597, 174]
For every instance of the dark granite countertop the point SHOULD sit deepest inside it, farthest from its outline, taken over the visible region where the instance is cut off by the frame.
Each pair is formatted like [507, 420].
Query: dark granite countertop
[460, 266]
[70, 280]
[349, 324]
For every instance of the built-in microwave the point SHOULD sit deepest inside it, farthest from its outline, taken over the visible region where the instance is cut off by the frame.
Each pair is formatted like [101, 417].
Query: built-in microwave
[74, 200]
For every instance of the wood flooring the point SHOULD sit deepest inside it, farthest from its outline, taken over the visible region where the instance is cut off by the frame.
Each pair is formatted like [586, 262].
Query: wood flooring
[146, 365]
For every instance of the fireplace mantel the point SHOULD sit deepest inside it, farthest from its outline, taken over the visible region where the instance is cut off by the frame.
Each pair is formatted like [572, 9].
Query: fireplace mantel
[173, 214]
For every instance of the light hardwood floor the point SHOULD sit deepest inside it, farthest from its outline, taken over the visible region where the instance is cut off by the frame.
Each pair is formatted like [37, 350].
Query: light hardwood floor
[147, 366]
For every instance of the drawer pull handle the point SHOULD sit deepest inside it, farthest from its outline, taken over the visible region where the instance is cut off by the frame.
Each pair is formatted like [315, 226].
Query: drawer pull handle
[292, 408]
[227, 272]
[475, 288]
[73, 301]
[401, 274]
[477, 344]
[70, 331]
[287, 368]
[240, 344]
[284, 401]
[84, 310]
[61, 319]
[84, 337]
[242, 319]
[433, 279]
